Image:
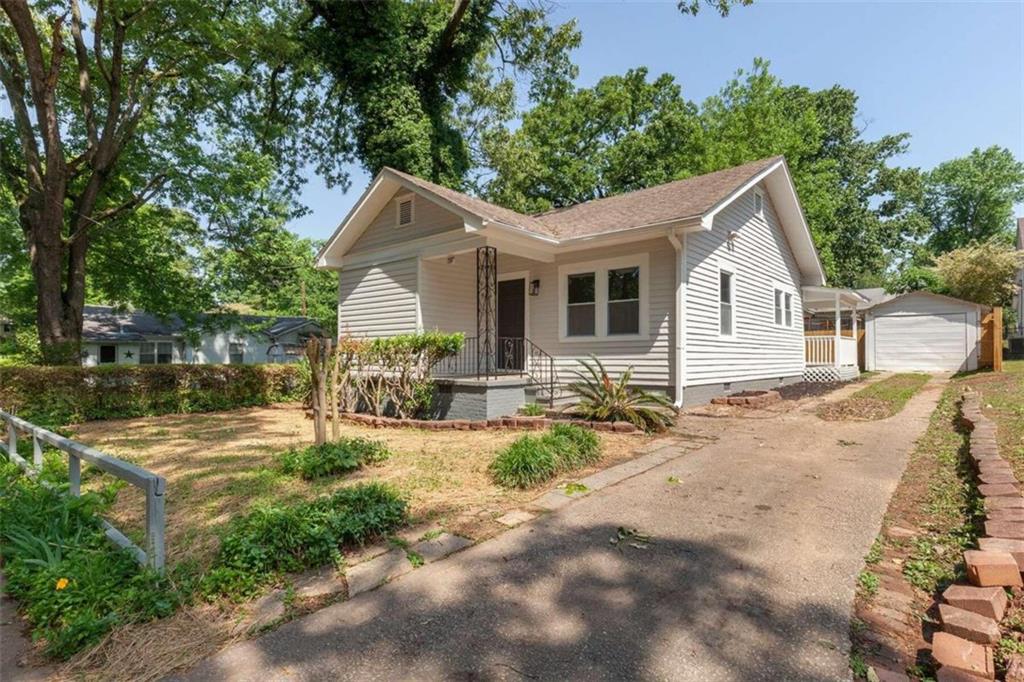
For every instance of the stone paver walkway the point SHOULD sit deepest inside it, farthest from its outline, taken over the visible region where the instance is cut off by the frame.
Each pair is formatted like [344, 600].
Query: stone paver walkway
[755, 544]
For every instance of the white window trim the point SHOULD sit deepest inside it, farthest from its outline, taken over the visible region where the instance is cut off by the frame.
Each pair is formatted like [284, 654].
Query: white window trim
[399, 200]
[759, 194]
[730, 269]
[785, 290]
[600, 269]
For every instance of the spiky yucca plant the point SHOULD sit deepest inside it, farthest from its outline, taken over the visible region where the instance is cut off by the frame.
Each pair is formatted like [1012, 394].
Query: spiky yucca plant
[605, 399]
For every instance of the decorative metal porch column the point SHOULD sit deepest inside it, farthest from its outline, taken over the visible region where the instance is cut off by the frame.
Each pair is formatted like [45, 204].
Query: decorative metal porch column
[486, 309]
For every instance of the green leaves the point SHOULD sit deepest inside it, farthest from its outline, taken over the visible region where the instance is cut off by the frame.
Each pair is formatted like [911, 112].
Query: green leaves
[605, 399]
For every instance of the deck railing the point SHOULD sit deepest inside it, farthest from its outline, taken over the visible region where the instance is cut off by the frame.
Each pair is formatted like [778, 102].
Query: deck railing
[153, 486]
[821, 350]
[511, 356]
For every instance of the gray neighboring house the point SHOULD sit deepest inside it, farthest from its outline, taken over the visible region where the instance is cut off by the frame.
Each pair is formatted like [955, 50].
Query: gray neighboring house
[111, 337]
[699, 285]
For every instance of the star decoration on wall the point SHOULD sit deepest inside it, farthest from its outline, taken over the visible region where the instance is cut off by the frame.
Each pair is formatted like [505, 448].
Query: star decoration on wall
[129, 354]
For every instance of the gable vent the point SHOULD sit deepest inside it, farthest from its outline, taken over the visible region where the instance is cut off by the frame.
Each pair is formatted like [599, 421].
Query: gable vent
[405, 212]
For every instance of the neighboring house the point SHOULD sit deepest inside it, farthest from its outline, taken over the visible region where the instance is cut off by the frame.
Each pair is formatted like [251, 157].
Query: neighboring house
[924, 331]
[699, 285]
[110, 337]
[6, 328]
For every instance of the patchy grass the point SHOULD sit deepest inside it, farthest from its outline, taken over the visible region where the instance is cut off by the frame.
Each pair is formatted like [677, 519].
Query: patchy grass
[219, 466]
[224, 467]
[932, 517]
[878, 401]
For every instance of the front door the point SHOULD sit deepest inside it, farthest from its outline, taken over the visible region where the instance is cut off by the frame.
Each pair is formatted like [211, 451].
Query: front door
[511, 323]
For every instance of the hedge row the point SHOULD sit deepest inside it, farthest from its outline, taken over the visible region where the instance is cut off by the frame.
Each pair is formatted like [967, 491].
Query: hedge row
[55, 396]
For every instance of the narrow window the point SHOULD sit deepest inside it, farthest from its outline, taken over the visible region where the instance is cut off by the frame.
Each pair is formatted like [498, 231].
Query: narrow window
[581, 308]
[759, 204]
[164, 353]
[108, 355]
[725, 298]
[405, 212]
[789, 310]
[778, 307]
[624, 301]
[236, 353]
[147, 353]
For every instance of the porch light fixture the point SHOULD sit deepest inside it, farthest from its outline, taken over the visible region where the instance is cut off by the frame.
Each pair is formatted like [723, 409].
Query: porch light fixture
[534, 287]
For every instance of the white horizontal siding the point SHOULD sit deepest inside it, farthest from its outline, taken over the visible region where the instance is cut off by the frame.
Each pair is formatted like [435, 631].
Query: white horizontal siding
[761, 259]
[448, 298]
[384, 232]
[649, 358]
[379, 300]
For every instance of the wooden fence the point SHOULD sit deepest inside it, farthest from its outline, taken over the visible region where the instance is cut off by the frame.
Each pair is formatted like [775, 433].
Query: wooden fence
[991, 354]
[153, 486]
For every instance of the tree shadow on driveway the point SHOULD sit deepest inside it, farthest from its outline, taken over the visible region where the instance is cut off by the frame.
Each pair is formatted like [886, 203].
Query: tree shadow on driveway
[552, 600]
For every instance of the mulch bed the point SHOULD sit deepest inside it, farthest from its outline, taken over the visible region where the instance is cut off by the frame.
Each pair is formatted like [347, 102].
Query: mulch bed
[855, 409]
[808, 389]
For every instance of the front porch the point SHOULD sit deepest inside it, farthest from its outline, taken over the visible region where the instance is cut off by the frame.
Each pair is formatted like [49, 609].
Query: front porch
[832, 334]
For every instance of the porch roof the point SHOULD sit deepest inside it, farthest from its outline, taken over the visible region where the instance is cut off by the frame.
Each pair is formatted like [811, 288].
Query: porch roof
[824, 298]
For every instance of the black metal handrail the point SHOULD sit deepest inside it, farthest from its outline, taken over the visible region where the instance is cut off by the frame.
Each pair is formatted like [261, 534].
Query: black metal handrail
[511, 356]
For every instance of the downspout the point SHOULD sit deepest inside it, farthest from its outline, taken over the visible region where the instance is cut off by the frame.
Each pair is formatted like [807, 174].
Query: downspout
[680, 313]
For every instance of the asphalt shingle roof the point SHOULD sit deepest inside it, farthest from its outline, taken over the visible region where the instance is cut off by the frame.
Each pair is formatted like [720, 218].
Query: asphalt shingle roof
[687, 198]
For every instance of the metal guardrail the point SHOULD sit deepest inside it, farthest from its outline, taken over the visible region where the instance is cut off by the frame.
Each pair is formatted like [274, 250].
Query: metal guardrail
[153, 486]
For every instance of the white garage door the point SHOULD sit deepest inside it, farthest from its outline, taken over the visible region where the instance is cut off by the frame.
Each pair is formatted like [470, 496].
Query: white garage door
[936, 342]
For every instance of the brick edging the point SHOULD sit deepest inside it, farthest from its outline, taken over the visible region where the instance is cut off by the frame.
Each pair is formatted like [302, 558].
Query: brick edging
[971, 614]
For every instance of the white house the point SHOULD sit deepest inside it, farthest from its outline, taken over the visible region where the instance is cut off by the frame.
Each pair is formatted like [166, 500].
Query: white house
[699, 285]
[112, 337]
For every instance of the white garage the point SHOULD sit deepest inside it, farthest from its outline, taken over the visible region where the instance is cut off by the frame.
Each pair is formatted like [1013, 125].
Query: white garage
[923, 331]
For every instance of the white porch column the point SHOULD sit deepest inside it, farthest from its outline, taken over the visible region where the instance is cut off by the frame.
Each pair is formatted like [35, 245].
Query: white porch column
[835, 341]
[856, 344]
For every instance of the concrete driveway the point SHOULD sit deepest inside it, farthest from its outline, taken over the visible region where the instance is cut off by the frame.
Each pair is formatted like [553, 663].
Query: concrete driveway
[750, 575]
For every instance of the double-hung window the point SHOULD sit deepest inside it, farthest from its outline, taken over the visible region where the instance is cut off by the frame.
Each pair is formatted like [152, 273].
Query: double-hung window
[726, 303]
[624, 301]
[783, 308]
[604, 299]
[156, 353]
[236, 353]
[581, 309]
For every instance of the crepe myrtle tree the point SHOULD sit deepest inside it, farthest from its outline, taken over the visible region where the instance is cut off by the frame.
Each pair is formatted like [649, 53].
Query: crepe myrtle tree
[119, 104]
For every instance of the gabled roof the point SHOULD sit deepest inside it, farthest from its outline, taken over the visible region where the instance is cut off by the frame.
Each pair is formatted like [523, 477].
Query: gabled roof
[106, 323]
[689, 200]
[673, 201]
[929, 294]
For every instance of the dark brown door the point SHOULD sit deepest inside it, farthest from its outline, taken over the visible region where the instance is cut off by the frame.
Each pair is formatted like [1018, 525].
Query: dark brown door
[511, 323]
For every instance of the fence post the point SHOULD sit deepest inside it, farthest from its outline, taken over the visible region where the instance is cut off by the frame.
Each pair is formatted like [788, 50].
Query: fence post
[37, 452]
[74, 475]
[12, 441]
[155, 524]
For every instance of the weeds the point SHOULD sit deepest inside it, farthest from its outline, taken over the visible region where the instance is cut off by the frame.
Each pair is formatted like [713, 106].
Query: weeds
[531, 460]
[332, 459]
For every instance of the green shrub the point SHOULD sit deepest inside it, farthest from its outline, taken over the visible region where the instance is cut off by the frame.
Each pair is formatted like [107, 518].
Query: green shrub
[72, 583]
[604, 399]
[576, 446]
[277, 539]
[56, 396]
[532, 410]
[331, 459]
[531, 460]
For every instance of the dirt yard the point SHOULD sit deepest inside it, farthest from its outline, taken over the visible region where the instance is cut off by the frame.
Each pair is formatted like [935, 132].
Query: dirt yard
[220, 465]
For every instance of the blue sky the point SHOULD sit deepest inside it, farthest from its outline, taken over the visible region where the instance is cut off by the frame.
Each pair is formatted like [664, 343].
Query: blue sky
[951, 74]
